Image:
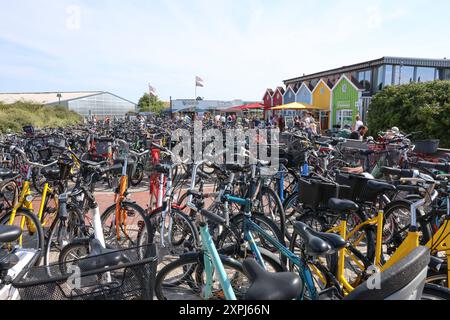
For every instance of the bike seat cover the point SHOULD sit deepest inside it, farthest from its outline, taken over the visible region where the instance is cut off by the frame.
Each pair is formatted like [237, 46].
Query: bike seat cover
[9, 233]
[271, 286]
[101, 258]
[342, 206]
[314, 245]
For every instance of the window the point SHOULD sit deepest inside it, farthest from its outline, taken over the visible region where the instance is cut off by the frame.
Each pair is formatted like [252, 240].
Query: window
[389, 75]
[425, 74]
[344, 88]
[365, 79]
[380, 78]
[344, 118]
[444, 74]
[405, 75]
[322, 90]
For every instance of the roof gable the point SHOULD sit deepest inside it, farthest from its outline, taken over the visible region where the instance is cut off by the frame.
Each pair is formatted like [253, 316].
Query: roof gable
[324, 84]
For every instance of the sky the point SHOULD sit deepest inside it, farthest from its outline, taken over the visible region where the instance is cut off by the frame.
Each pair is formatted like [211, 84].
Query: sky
[238, 47]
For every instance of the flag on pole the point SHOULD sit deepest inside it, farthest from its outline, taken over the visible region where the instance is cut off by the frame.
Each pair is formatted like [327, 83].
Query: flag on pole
[199, 82]
[152, 90]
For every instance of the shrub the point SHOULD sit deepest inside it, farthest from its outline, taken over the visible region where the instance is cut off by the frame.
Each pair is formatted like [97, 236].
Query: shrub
[15, 116]
[414, 107]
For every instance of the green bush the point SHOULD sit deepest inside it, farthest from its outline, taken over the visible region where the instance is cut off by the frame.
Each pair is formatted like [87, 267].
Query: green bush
[15, 116]
[414, 107]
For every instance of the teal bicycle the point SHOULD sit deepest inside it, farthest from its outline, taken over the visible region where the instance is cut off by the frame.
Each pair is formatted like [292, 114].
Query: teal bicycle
[209, 275]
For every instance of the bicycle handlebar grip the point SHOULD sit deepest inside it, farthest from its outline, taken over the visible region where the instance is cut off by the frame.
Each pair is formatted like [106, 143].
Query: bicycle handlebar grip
[213, 217]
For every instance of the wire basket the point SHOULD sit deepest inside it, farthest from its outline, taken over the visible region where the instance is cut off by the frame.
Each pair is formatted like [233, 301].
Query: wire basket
[132, 279]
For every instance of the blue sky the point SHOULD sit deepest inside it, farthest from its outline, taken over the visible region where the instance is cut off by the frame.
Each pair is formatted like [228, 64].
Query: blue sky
[239, 47]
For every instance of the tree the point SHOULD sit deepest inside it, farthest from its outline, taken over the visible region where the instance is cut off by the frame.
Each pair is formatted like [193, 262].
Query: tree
[150, 103]
[423, 107]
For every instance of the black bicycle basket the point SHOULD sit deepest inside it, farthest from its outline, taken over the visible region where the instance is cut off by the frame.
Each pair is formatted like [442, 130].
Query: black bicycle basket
[132, 279]
[315, 193]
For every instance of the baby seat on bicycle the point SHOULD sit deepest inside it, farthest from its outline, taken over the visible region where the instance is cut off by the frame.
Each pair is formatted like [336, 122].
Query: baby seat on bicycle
[404, 281]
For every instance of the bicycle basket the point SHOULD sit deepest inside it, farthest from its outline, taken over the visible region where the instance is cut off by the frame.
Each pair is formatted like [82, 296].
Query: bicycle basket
[357, 187]
[45, 154]
[315, 193]
[132, 279]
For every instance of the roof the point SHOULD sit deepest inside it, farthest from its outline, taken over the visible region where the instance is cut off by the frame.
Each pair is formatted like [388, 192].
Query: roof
[420, 62]
[49, 97]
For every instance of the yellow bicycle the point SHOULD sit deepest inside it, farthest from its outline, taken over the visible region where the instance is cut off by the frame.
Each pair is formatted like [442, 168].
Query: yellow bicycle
[22, 215]
[439, 244]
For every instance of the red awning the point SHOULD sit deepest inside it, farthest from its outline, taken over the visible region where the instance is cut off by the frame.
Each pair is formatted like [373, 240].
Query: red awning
[252, 106]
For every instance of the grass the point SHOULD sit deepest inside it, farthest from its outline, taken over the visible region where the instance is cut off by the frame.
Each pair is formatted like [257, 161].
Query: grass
[15, 116]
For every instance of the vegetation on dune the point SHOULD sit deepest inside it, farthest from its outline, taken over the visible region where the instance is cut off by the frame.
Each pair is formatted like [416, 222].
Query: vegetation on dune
[15, 116]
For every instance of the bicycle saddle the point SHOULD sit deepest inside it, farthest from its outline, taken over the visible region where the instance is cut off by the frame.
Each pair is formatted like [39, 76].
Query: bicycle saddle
[9, 234]
[342, 206]
[271, 286]
[101, 258]
[315, 246]
[336, 242]
[380, 186]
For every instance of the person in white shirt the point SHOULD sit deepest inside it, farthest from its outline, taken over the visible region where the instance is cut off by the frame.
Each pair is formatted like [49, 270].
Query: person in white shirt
[358, 124]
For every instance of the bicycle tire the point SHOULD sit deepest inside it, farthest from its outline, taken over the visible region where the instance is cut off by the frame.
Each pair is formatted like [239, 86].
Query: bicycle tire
[435, 292]
[39, 232]
[147, 228]
[194, 264]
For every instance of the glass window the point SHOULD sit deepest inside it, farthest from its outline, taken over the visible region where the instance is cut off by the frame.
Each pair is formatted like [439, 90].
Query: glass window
[444, 74]
[425, 74]
[380, 78]
[344, 118]
[365, 79]
[406, 75]
[388, 75]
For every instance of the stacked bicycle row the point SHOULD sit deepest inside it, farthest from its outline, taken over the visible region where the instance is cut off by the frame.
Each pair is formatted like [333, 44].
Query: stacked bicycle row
[317, 227]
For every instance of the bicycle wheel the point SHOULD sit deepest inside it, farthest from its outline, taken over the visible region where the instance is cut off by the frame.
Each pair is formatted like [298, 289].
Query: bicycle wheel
[434, 292]
[180, 235]
[32, 233]
[268, 203]
[138, 176]
[440, 277]
[9, 195]
[228, 237]
[184, 279]
[62, 233]
[397, 223]
[135, 229]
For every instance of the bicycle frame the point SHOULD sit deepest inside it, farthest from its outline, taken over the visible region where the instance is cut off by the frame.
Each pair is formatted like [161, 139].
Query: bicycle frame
[24, 202]
[213, 263]
[249, 227]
